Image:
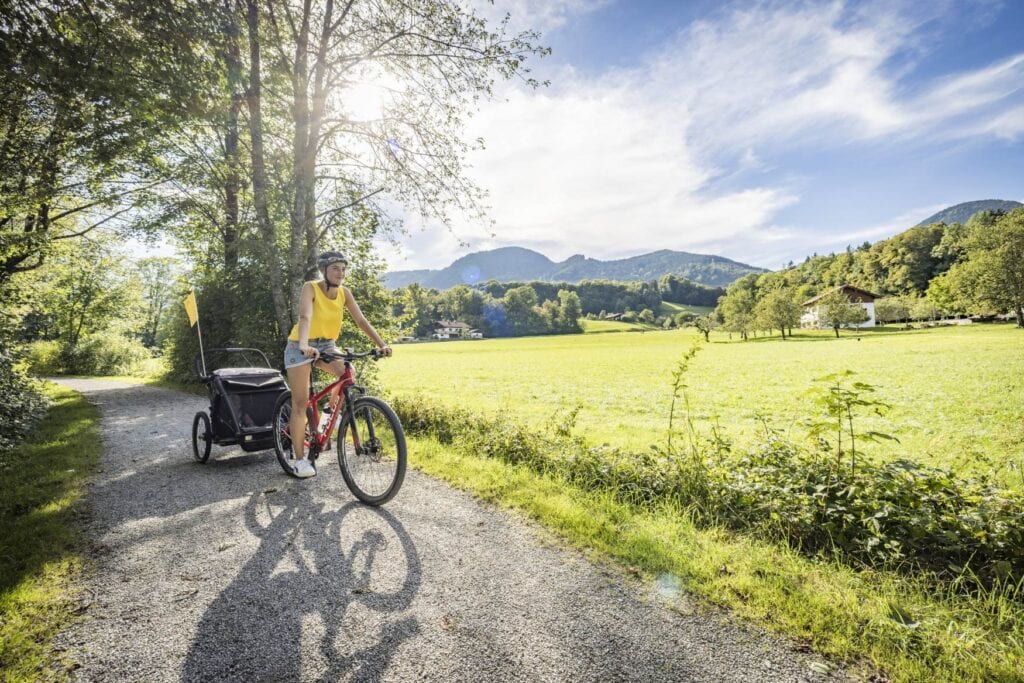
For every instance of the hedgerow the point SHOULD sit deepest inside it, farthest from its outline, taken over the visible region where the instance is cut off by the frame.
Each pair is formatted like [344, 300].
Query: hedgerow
[897, 514]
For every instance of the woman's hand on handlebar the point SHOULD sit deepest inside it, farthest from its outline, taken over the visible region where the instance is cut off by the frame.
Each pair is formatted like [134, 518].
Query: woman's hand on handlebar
[384, 351]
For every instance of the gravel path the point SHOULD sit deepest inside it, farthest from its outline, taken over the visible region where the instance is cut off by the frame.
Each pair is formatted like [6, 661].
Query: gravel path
[232, 571]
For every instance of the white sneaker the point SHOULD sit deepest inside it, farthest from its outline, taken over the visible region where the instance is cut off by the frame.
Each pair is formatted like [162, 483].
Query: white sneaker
[304, 469]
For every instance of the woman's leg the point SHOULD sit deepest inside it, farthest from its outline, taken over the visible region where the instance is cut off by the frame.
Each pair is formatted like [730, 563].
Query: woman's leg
[336, 368]
[298, 382]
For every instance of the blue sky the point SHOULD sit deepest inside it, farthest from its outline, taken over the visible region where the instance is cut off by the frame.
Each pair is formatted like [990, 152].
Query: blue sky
[761, 131]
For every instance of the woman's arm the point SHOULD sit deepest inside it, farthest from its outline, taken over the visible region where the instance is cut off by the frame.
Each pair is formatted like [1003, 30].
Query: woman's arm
[305, 316]
[363, 323]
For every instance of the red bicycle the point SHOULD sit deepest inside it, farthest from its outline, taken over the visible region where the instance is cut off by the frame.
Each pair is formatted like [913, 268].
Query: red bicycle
[371, 441]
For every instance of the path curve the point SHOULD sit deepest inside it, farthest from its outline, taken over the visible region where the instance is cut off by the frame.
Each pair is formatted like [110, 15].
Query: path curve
[232, 571]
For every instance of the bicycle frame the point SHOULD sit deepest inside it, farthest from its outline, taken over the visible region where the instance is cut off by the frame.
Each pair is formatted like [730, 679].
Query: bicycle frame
[347, 384]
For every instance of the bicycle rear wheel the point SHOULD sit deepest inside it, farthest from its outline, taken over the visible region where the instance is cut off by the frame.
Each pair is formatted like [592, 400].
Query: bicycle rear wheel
[371, 451]
[282, 433]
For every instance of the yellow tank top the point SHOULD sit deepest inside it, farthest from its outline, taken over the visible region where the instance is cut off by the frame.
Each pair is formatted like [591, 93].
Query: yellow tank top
[327, 315]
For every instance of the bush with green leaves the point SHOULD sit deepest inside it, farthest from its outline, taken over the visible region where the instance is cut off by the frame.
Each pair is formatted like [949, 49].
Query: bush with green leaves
[45, 358]
[106, 353]
[23, 402]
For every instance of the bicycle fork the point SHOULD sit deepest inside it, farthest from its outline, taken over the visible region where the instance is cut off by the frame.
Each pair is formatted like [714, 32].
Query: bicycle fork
[351, 394]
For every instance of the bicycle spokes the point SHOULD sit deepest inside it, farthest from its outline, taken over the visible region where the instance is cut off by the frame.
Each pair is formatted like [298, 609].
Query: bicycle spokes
[284, 430]
[371, 452]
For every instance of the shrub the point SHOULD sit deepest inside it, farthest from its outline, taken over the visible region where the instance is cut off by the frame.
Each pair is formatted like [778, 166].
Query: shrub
[45, 358]
[23, 402]
[107, 353]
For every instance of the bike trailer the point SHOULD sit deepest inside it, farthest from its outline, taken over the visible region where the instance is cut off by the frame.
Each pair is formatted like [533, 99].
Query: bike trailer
[242, 403]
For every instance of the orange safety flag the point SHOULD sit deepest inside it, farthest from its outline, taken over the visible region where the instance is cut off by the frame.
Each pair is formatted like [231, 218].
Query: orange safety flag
[191, 308]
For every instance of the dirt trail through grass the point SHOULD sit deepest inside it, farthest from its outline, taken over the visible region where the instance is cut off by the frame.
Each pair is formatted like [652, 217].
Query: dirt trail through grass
[233, 571]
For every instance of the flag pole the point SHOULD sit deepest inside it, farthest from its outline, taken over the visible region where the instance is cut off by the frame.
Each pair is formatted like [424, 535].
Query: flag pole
[202, 356]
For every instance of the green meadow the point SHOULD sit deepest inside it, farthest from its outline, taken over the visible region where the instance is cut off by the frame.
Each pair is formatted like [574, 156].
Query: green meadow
[956, 395]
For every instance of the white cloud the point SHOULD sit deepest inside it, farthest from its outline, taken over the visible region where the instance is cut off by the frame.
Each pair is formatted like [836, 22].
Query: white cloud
[676, 153]
[809, 74]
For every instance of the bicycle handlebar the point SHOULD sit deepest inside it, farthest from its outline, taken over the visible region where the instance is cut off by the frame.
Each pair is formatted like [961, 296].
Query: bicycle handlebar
[348, 355]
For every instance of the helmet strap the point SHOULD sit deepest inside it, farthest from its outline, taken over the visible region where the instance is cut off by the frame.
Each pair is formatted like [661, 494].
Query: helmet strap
[330, 285]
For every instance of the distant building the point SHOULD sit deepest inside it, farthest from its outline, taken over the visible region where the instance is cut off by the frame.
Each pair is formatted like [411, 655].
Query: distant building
[856, 295]
[450, 329]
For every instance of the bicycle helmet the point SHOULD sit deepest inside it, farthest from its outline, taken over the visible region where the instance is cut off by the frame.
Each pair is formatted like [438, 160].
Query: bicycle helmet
[327, 258]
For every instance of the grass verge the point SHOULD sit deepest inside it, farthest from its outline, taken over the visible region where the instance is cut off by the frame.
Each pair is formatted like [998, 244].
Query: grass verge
[873, 621]
[41, 552]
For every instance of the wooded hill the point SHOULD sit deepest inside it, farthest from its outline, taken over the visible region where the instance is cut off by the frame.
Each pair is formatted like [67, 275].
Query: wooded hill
[961, 213]
[927, 271]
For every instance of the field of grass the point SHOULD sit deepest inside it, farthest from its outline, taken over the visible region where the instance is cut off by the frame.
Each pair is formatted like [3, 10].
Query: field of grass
[956, 402]
[956, 392]
[41, 482]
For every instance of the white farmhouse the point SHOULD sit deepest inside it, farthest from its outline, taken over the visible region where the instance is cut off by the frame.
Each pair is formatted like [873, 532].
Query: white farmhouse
[450, 329]
[856, 295]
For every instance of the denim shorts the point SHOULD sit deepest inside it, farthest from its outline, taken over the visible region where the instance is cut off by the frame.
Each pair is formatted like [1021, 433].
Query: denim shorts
[293, 357]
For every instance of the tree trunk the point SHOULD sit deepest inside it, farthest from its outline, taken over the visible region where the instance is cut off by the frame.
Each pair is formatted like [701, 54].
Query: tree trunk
[302, 180]
[259, 174]
[316, 116]
[1020, 316]
[308, 106]
[232, 180]
[837, 331]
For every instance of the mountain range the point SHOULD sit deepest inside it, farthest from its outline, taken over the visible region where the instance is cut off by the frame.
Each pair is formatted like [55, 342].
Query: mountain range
[517, 264]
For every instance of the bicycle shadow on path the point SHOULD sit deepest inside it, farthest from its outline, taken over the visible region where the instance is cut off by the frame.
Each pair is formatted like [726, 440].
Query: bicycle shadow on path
[286, 615]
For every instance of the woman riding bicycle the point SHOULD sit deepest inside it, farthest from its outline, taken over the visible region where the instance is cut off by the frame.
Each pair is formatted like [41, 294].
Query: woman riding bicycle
[322, 304]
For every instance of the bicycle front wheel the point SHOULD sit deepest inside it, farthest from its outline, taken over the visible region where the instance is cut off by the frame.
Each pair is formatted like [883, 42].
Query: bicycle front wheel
[371, 450]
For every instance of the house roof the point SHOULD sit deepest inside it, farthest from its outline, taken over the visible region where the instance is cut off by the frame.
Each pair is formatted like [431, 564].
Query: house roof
[842, 288]
[451, 323]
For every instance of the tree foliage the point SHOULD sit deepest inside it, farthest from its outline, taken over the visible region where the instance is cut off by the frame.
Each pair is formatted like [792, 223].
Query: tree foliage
[519, 311]
[88, 92]
[155, 277]
[777, 310]
[990, 271]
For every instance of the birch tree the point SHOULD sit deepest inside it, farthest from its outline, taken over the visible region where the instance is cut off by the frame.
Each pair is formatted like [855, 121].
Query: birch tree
[377, 92]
